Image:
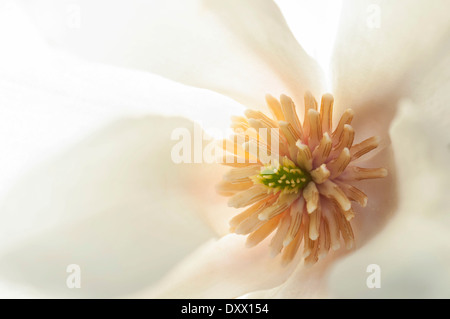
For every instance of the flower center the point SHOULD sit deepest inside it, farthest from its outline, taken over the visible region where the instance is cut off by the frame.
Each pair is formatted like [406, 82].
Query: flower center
[285, 177]
[305, 192]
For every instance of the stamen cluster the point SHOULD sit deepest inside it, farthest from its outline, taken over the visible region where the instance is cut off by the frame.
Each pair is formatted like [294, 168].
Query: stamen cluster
[303, 189]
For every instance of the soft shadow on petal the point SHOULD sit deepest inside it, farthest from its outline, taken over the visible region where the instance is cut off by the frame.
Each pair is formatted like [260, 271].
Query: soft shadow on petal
[242, 49]
[412, 255]
[371, 119]
[380, 42]
[304, 282]
[221, 268]
[427, 119]
[429, 89]
[413, 251]
[52, 100]
[314, 25]
[422, 142]
[115, 204]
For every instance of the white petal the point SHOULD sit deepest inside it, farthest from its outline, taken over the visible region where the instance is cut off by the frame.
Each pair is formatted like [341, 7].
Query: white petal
[52, 105]
[98, 198]
[421, 140]
[314, 25]
[242, 49]
[115, 204]
[412, 256]
[429, 90]
[381, 43]
[222, 269]
[49, 100]
[304, 282]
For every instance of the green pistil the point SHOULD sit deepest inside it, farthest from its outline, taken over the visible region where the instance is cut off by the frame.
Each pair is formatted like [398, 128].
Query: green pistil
[284, 178]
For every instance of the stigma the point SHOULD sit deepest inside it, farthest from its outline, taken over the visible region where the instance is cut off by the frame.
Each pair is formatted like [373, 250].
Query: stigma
[285, 177]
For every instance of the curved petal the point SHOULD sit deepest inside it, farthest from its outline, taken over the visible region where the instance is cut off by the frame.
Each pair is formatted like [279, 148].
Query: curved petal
[242, 49]
[381, 43]
[52, 100]
[114, 204]
[422, 140]
[98, 202]
[222, 268]
[412, 252]
[304, 282]
[429, 89]
[314, 25]
[421, 133]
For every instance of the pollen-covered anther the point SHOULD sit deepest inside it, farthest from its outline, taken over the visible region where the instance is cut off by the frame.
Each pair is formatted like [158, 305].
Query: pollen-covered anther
[301, 191]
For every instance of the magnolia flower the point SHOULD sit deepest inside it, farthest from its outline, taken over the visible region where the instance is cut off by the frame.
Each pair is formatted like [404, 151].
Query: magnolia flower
[296, 177]
[104, 194]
